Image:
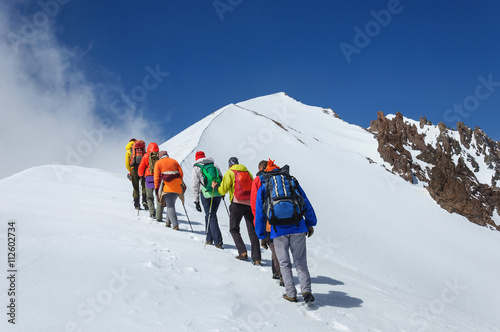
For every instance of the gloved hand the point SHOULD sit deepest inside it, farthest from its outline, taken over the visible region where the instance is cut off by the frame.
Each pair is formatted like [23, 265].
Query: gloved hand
[264, 243]
[129, 176]
[310, 231]
[198, 207]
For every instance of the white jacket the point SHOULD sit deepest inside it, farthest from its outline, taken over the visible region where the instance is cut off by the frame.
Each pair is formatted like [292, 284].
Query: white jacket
[197, 177]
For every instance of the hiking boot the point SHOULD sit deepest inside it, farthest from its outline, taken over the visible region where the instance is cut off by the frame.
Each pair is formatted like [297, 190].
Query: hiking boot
[258, 263]
[282, 283]
[168, 224]
[159, 220]
[136, 203]
[308, 297]
[242, 257]
[209, 243]
[219, 245]
[291, 299]
[276, 276]
[176, 228]
[145, 205]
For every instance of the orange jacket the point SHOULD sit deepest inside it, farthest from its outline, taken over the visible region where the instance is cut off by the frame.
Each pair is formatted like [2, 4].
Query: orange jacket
[167, 164]
[143, 169]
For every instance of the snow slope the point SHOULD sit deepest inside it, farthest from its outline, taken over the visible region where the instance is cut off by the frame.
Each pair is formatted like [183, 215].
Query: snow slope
[384, 257]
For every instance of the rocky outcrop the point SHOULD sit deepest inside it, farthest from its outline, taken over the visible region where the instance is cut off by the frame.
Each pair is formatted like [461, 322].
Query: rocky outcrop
[447, 164]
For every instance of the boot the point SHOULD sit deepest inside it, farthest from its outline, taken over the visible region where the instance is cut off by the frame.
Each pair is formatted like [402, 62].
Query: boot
[242, 256]
[136, 203]
[288, 298]
[308, 297]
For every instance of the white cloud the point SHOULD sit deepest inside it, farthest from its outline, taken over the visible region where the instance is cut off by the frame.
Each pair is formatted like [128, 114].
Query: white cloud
[50, 111]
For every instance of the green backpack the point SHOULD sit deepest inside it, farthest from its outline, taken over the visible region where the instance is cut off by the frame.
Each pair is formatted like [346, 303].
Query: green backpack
[153, 158]
[209, 173]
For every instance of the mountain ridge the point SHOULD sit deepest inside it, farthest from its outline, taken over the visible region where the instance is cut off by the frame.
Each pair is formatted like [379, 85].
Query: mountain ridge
[381, 258]
[459, 168]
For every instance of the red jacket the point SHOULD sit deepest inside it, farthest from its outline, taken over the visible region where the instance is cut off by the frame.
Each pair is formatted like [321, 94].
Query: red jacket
[256, 185]
[143, 169]
[253, 194]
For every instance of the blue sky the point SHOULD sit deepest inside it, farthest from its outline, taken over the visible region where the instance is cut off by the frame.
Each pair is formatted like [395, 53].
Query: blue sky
[170, 63]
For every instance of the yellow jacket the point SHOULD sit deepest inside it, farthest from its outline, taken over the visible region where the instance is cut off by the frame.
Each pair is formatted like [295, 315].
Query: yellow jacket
[127, 155]
[227, 184]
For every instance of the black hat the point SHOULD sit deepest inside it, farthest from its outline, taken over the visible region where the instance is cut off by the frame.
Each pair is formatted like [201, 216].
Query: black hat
[232, 161]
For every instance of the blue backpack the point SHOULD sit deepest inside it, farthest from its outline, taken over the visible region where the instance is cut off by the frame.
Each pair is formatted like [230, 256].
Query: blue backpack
[283, 203]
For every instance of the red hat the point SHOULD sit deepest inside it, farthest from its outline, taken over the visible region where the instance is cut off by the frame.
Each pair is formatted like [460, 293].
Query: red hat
[200, 154]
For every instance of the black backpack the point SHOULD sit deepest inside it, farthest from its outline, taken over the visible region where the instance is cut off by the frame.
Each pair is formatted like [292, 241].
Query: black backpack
[283, 203]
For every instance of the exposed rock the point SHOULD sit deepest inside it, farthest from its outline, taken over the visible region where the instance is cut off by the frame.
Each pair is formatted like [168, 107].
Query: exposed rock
[465, 134]
[329, 111]
[424, 122]
[450, 165]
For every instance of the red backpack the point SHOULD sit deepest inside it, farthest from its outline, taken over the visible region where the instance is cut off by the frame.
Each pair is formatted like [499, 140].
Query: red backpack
[138, 150]
[242, 185]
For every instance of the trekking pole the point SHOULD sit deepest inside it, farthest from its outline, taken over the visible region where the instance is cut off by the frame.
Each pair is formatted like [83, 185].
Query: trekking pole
[181, 197]
[224, 199]
[187, 216]
[208, 221]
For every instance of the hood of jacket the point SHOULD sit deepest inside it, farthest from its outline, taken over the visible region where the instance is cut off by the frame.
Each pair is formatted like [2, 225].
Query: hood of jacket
[239, 167]
[204, 161]
[270, 166]
[152, 147]
[129, 145]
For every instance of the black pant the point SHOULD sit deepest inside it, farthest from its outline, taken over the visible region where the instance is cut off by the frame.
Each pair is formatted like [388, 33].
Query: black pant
[236, 212]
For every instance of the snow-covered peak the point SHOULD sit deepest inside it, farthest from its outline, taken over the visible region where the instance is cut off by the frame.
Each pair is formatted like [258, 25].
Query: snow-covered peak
[384, 255]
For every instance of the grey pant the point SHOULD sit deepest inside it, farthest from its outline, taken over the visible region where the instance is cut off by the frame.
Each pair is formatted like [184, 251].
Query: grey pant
[296, 243]
[170, 204]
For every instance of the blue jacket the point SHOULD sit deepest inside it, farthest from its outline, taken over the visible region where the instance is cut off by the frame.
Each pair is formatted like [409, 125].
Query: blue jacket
[260, 218]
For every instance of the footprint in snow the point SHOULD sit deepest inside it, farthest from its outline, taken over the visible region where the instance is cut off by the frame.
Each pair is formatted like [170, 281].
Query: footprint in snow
[339, 327]
[152, 265]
